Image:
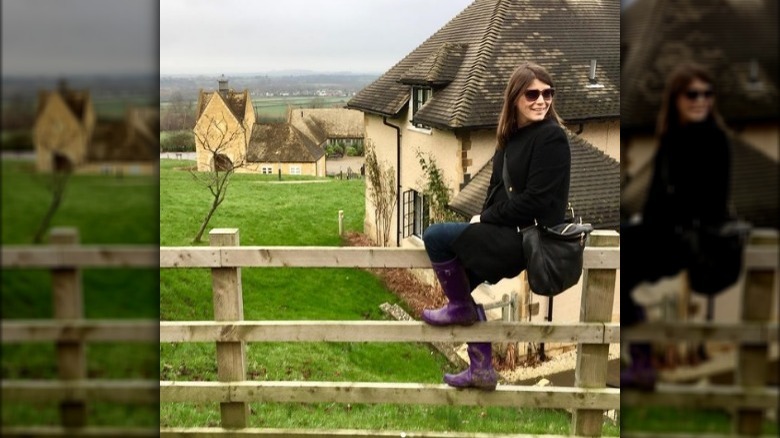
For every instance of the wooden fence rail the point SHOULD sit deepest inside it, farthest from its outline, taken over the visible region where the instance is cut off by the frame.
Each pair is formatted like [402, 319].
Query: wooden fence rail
[749, 398]
[225, 257]
[71, 332]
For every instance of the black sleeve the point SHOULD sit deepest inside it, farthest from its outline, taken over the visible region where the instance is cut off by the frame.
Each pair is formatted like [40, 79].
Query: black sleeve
[548, 173]
[715, 184]
[495, 177]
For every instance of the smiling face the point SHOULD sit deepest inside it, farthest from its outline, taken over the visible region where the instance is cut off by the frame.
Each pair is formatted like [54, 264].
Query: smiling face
[695, 102]
[529, 111]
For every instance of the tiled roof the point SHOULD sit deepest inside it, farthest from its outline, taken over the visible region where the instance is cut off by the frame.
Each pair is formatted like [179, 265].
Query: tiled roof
[120, 141]
[495, 36]
[438, 69]
[594, 190]
[75, 100]
[281, 142]
[107, 140]
[320, 124]
[730, 38]
[235, 101]
[754, 186]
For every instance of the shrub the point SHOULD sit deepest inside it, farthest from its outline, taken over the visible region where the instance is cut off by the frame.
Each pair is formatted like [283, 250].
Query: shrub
[18, 141]
[334, 150]
[182, 141]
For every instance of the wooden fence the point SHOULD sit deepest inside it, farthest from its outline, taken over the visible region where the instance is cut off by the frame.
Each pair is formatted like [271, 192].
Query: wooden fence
[225, 257]
[588, 399]
[64, 258]
[749, 398]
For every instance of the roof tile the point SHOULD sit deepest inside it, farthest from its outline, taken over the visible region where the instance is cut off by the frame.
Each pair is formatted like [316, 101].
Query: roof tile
[594, 190]
[496, 36]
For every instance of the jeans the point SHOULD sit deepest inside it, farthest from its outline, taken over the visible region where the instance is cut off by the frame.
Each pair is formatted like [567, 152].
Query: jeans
[653, 253]
[438, 240]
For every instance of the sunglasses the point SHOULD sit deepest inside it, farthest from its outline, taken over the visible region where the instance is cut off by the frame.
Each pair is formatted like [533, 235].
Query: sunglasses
[547, 95]
[695, 94]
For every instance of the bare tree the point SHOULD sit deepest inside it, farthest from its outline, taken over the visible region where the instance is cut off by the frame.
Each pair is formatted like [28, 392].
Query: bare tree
[179, 113]
[382, 194]
[59, 177]
[215, 141]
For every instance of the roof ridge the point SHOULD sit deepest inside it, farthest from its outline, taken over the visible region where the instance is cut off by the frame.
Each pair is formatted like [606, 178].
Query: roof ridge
[67, 104]
[72, 98]
[484, 51]
[229, 107]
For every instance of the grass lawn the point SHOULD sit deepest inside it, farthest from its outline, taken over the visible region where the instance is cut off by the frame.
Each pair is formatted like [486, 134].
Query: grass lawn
[105, 210]
[666, 420]
[274, 109]
[269, 213]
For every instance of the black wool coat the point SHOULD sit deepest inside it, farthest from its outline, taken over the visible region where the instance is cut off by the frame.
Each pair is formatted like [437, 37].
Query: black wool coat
[691, 178]
[539, 163]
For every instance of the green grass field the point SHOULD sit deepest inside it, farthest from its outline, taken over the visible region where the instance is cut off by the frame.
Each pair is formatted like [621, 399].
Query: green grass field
[270, 109]
[267, 213]
[115, 108]
[105, 210]
[126, 210]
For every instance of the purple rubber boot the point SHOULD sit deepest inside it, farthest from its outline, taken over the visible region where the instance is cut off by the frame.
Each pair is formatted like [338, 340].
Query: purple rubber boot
[460, 309]
[640, 374]
[480, 373]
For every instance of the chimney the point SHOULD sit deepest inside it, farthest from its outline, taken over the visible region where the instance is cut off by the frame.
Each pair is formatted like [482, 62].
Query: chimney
[753, 72]
[223, 86]
[592, 81]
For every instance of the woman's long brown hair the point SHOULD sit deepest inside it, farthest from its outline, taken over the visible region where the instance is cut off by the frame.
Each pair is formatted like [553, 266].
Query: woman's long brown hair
[676, 84]
[521, 78]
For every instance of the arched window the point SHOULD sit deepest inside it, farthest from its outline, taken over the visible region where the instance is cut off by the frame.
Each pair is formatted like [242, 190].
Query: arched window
[222, 163]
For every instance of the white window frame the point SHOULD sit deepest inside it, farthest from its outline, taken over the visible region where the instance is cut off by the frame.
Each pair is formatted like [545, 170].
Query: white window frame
[416, 214]
[419, 96]
[295, 170]
[267, 170]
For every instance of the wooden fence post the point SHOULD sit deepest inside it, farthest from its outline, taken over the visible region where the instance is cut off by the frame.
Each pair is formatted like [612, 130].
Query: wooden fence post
[229, 306]
[69, 305]
[598, 290]
[752, 360]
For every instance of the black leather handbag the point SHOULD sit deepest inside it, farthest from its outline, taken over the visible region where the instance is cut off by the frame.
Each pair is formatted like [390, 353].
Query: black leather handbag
[716, 253]
[553, 254]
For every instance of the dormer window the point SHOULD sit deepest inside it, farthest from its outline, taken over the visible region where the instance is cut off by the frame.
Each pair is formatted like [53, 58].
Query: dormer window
[420, 95]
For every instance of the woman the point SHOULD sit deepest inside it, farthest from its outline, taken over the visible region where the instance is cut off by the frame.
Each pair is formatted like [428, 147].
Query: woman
[689, 190]
[489, 248]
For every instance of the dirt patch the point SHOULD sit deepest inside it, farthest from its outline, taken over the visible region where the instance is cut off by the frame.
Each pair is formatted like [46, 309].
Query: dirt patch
[416, 295]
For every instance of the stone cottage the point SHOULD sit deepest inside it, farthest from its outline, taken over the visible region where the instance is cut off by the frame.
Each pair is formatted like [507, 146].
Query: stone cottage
[68, 135]
[443, 100]
[226, 134]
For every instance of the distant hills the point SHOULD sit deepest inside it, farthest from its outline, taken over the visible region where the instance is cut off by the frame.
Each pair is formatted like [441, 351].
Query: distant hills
[293, 82]
[27, 86]
[276, 73]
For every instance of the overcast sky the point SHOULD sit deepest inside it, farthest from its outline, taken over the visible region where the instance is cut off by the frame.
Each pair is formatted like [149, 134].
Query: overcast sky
[56, 37]
[246, 36]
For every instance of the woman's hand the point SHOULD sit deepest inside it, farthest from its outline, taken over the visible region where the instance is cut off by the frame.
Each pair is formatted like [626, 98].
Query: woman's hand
[474, 219]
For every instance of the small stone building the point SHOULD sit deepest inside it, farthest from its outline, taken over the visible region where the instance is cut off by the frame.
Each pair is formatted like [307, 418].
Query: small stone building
[226, 134]
[68, 135]
[443, 99]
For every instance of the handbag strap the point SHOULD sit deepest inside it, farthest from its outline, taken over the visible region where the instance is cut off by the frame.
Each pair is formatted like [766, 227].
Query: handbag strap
[505, 177]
